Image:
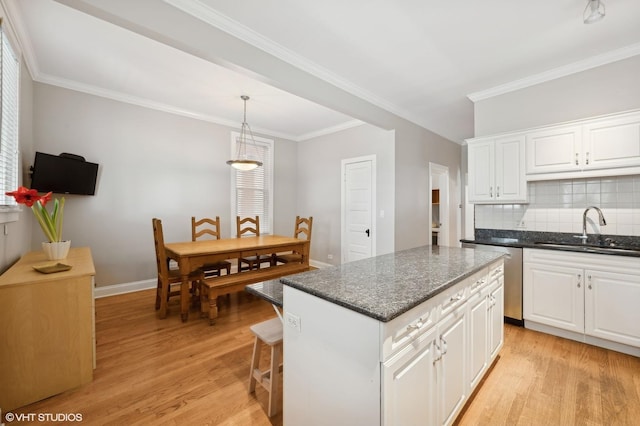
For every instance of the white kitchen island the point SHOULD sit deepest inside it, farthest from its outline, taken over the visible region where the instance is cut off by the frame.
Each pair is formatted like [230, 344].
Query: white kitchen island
[399, 339]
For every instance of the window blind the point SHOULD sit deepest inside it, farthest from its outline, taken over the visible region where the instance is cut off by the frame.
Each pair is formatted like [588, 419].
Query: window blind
[9, 86]
[253, 188]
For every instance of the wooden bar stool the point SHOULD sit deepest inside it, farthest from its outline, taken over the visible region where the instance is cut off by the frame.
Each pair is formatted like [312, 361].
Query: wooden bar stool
[270, 333]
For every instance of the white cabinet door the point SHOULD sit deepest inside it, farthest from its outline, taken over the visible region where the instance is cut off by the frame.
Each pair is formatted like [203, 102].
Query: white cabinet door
[481, 159]
[510, 179]
[497, 170]
[612, 143]
[478, 335]
[496, 319]
[557, 149]
[553, 295]
[409, 384]
[612, 306]
[451, 379]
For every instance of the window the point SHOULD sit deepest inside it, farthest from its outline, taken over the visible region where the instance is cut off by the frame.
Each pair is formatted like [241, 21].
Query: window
[9, 85]
[252, 191]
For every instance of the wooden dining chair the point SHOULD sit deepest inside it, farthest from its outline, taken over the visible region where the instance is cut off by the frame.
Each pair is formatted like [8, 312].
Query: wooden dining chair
[169, 279]
[302, 229]
[209, 228]
[251, 226]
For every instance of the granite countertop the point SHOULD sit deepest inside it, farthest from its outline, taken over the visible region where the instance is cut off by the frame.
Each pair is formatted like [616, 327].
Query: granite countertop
[616, 245]
[271, 291]
[386, 286]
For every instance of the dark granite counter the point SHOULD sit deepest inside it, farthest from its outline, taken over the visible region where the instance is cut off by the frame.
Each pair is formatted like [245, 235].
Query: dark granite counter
[616, 245]
[386, 286]
[271, 291]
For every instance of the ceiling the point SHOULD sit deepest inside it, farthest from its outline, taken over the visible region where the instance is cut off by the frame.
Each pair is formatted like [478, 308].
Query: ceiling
[421, 60]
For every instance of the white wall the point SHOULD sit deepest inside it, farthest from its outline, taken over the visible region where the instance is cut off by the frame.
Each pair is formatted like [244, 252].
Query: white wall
[603, 90]
[415, 148]
[152, 164]
[319, 170]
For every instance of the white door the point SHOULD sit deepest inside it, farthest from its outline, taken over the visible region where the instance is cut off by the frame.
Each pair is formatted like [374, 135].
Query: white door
[509, 166]
[481, 166]
[553, 295]
[478, 335]
[612, 143]
[451, 379]
[358, 238]
[554, 150]
[496, 319]
[409, 384]
[611, 306]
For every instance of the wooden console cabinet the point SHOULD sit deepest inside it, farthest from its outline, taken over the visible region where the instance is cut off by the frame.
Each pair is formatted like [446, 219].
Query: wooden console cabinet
[47, 328]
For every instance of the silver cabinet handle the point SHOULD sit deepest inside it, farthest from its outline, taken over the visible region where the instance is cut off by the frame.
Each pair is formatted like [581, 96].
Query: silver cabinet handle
[589, 278]
[417, 325]
[491, 192]
[587, 158]
[444, 346]
[479, 283]
[456, 297]
[439, 353]
[497, 192]
[576, 158]
[579, 280]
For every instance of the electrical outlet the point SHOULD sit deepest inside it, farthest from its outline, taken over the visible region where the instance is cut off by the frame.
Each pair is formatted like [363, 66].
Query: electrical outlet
[330, 256]
[292, 321]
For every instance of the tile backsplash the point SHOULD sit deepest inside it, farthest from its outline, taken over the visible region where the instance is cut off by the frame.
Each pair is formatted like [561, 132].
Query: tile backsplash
[557, 206]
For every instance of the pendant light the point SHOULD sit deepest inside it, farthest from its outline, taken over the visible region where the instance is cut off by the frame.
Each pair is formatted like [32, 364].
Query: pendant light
[594, 11]
[242, 160]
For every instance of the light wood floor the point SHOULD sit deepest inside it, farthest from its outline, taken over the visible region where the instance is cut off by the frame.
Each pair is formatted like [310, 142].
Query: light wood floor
[153, 371]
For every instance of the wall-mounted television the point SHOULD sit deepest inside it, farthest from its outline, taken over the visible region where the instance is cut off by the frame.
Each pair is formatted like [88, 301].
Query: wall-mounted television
[63, 174]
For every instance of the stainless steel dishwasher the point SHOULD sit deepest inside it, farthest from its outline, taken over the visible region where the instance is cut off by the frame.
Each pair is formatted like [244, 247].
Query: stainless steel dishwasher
[512, 280]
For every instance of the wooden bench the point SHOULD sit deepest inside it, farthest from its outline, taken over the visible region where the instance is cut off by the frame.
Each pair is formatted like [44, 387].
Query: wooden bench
[213, 287]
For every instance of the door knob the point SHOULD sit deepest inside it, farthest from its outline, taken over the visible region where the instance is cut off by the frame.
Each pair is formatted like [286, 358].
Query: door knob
[367, 231]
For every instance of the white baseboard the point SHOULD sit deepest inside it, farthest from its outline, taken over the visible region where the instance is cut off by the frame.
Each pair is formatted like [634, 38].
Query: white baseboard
[580, 337]
[115, 289]
[112, 290]
[318, 264]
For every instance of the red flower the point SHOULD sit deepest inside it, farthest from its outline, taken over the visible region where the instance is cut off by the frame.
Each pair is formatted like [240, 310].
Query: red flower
[27, 196]
[45, 199]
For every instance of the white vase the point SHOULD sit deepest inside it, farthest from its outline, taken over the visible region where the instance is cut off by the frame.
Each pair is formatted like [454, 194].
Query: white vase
[56, 250]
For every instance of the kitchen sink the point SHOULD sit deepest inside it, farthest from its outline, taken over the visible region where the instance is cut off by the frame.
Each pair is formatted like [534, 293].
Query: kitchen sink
[589, 247]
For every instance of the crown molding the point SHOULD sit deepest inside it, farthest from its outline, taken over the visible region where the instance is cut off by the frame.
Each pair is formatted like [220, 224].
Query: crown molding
[576, 67]
[158, 106]
[330, 130]
[20, 35]
[207, 14]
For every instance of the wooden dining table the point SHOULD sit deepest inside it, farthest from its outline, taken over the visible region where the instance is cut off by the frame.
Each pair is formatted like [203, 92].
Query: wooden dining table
[191, 255]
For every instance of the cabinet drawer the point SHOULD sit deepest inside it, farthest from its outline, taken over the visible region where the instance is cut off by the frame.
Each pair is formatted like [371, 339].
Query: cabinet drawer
[478, 281]
[401, 331]
[453, 299]
[496, 271]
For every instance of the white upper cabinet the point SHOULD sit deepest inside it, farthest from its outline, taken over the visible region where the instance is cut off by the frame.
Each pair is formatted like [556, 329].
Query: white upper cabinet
[596, 147]
[612, 143]
[557, 149]
[496, 170]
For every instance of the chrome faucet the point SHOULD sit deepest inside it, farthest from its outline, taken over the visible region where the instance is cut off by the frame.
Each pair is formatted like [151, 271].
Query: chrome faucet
[603, 222]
